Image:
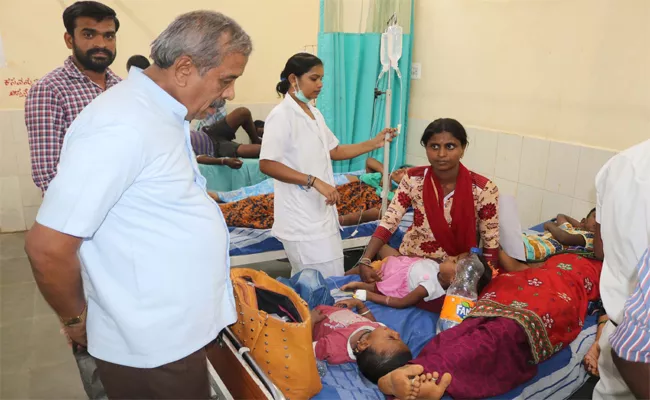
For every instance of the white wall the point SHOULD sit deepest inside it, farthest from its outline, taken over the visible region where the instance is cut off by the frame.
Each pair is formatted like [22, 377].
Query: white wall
[575, 71]
[546, 177]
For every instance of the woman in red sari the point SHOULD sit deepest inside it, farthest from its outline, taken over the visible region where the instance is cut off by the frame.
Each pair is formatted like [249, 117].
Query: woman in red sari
[453, 207]
[521, 319]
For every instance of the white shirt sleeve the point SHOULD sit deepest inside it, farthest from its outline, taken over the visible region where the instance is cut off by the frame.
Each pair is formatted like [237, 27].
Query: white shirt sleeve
[601, 185]
[425, 273]
[94, 171]
[277, 132]
[332, 141]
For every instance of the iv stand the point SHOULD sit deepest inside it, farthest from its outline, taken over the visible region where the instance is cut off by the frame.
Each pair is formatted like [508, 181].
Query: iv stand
[386, 173]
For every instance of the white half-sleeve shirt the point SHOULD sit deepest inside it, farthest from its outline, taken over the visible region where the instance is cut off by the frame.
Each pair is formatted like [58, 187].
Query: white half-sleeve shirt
[154, 255]
[425, 273]
[623, 211]
[292, 138]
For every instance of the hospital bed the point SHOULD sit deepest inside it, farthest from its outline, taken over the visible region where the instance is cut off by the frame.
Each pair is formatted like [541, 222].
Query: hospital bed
[248, 246]
[557, 378]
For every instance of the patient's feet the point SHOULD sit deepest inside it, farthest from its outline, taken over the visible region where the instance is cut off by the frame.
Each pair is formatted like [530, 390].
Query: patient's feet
[403, 383]
[431, 387]
[591, 359]
[410, 383]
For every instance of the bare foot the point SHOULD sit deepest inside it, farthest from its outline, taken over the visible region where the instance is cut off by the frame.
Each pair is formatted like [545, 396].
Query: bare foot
[403, 383]
[591, 359]
[431, 390]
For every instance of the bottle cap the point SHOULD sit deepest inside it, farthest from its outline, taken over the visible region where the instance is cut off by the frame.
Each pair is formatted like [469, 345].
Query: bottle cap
[476, 250]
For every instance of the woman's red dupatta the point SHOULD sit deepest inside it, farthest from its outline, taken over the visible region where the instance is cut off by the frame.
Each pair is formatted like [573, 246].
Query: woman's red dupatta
[460, 237]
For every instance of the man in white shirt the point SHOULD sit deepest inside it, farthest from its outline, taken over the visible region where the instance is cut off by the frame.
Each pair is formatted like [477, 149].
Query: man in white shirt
[127, 235]
[623, 212]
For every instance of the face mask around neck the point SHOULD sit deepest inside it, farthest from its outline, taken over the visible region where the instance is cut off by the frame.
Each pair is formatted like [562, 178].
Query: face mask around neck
[300, 95]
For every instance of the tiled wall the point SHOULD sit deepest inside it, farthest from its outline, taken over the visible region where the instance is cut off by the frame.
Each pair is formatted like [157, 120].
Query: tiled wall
[546, 177]
[19, 197]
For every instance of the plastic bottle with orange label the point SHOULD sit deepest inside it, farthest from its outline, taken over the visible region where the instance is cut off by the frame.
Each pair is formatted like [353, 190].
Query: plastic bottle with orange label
[462, 293]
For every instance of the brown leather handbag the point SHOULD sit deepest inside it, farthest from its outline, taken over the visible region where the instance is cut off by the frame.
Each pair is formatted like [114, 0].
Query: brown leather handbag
[275, 324]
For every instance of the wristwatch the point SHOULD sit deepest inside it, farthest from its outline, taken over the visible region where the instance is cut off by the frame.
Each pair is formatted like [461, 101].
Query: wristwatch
[74, 320]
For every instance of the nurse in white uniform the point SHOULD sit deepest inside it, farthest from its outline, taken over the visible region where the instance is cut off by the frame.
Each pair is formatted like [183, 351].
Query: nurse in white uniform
[297, 151]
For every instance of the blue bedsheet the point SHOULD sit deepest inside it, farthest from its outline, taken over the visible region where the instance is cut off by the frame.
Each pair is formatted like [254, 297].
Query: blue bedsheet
[557, 378]
[246, 241]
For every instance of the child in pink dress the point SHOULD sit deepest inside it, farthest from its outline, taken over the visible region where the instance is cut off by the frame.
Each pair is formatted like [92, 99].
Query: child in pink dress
[406, 281]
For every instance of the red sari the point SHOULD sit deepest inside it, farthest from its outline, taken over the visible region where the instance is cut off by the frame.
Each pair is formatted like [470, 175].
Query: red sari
[522, 319]
[549, 303]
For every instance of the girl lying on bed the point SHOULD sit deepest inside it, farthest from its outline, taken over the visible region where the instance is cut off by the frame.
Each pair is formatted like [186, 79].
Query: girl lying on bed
[405, 281]
[521, 319]
[372, 177]
[342, 336]
[560, 235]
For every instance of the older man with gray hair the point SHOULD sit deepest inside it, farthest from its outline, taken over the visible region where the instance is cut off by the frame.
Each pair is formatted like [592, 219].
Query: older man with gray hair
[128, 245]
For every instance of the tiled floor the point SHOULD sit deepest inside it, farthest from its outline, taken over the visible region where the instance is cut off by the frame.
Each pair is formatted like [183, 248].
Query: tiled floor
[35, 361]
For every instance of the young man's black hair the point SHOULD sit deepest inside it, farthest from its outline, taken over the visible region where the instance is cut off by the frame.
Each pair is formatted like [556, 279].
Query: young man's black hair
[90, 9]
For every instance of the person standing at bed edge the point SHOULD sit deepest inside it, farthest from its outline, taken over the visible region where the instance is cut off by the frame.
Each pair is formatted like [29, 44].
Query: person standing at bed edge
[145, 275]
[297, 151]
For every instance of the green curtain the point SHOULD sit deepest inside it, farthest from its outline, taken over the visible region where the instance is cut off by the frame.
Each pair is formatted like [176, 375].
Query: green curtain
[348, 43]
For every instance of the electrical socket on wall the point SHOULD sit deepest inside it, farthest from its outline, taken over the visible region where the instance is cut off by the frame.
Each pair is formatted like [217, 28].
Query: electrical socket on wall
[416, 70]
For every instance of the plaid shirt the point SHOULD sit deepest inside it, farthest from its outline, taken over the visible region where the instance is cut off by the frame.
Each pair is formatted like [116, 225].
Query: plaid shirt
[51, 106]
[218, 115]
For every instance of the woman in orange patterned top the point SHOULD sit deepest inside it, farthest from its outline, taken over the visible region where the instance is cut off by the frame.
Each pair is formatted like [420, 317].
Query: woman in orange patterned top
[454, 208]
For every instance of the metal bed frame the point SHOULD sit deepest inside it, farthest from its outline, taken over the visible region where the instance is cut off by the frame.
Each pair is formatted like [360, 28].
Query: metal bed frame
[233, 372]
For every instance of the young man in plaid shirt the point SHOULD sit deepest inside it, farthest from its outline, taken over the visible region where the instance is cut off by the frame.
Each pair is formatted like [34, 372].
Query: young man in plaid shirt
[57, 98]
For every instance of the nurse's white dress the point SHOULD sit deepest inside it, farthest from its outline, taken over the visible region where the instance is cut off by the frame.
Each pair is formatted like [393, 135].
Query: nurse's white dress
[306, 226]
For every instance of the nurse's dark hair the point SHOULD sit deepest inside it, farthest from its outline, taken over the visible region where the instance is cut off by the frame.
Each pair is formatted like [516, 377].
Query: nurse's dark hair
[299, 64]
[450, 125]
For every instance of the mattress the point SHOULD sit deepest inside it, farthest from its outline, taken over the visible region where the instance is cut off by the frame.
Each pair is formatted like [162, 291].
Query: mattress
[246, 241]
[557, 378]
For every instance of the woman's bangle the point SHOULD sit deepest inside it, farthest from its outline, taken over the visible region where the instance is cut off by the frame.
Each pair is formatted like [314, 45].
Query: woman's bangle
[365, 261]
[387, 300]
[364, 313]
[310, 181]
[603, 322]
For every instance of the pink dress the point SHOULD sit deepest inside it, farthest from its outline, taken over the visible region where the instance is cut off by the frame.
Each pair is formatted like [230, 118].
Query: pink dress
[401, 275]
